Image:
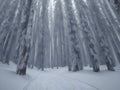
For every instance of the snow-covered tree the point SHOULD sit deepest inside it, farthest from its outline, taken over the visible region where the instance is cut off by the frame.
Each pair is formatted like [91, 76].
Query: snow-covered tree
[6, 31]
[76, 62]
[24, 42]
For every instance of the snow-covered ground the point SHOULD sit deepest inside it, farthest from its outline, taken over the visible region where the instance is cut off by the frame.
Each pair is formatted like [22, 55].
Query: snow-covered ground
[58, 79]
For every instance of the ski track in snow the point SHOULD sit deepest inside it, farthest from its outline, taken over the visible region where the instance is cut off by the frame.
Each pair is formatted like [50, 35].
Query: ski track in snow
[30, 82]
[57, 81]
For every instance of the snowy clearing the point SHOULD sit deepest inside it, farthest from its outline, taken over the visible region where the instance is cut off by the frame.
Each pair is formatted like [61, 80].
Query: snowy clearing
[58, 79]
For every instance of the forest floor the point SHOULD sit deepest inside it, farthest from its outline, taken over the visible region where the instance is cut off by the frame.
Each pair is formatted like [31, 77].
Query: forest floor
[58, 79]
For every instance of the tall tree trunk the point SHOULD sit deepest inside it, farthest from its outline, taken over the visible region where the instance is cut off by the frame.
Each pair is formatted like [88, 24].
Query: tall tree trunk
[24, 42]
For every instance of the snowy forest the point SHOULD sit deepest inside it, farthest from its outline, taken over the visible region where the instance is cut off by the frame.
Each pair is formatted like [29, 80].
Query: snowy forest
[37, 36]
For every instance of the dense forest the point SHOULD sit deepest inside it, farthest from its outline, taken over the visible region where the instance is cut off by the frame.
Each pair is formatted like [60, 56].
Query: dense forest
[59, 33]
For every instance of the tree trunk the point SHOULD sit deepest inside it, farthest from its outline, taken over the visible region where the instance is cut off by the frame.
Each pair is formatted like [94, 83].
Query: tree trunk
[24, 42]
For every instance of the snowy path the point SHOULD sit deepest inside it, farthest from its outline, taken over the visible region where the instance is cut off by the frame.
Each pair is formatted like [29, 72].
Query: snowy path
[61, 79]
[57, 81]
